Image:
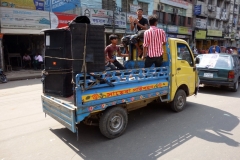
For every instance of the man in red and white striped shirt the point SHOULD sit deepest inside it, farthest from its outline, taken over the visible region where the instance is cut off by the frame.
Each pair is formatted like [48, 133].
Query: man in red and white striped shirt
[154, 39]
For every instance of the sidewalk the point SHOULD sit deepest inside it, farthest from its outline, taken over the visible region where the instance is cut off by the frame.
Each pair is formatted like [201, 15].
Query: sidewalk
[23, 74]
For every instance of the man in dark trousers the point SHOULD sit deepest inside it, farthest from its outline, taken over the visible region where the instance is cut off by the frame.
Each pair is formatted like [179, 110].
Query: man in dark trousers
[154, 39]
[140, 24]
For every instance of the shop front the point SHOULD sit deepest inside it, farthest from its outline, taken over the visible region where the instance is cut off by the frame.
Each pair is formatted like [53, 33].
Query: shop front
[179, 32]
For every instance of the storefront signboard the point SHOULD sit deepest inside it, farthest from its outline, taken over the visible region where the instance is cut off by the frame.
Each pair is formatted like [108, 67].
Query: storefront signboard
[197, 9]
[216, 33]
[61, 5]
[24, 4]
[176, 3]
[24, 19]
[172, 29]
[200, 34]
[184, 30]
[201, 23]
[101, 17]
[64, 18]
[162, 26]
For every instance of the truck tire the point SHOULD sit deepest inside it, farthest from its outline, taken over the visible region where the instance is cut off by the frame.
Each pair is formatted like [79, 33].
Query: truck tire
[113, 122]
[179, 101]
[235, 87]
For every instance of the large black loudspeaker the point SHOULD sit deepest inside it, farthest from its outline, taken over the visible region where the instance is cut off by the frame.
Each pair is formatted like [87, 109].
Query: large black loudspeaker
[95, 46]
[58, 83]
[58, 49]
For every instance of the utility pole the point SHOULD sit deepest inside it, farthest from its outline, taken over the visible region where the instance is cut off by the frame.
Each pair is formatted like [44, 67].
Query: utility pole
[113, 21]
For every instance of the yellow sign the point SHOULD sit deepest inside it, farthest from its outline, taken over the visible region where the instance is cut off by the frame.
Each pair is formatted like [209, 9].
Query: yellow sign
[200, 34]
[24, 4]
[96, 96]
[216, 33]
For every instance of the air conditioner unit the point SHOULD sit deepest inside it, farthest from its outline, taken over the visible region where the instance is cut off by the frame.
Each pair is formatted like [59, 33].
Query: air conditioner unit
[160, 7]
[210, 7]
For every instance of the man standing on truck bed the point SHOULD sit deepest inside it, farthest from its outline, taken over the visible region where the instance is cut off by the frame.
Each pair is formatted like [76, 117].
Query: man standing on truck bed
[154, 39]
[140, 24]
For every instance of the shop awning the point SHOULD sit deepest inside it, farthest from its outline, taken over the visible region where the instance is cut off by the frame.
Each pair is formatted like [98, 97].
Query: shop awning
[20, 31]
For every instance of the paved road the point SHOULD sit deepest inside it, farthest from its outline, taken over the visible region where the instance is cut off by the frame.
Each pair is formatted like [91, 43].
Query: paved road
[207, 129]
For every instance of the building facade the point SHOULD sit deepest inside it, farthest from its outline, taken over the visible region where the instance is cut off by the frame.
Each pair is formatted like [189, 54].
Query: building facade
[216, 22]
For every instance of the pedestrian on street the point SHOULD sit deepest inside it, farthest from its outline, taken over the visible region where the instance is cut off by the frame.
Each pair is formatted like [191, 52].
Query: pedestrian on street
[38, 60]
[26, 60]
[154, 39]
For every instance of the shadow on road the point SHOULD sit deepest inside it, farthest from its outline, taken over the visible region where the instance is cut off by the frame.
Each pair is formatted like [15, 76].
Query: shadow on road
[219, 91]
[20, 83]
[154, 131]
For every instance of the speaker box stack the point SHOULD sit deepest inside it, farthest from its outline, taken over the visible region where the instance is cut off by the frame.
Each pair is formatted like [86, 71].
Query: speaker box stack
[58, 49]
[95, 46]
[58, 83]
[58, 64]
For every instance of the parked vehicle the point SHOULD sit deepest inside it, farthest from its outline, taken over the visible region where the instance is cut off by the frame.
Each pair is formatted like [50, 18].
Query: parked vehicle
[3, 77]
[219, 70]
[105, 98]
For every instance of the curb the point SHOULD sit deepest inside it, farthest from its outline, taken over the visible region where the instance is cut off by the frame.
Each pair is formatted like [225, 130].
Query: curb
[23, 78]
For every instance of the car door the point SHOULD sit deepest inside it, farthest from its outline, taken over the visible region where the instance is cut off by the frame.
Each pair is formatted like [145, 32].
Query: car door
[236, 66]
[185, 67]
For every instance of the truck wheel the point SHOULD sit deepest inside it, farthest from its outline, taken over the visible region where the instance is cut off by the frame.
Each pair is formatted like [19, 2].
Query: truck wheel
[179, 101]
[235, 87]
[113, 122]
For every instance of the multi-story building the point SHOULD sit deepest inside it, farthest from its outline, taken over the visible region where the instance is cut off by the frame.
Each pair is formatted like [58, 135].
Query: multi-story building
[216, 23]
[175, 17]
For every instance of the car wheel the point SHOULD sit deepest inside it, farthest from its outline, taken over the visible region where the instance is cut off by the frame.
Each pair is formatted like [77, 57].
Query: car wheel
[235, 87]
[113, 122]
[179, 101]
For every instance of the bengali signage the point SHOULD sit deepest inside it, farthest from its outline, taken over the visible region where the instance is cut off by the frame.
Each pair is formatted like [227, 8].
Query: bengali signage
[197, 9]
[61, 5]
[201, 23]
[64, 18]
[216, 33]
[25, 19]
[184, 30]
[172, 29]
[200, 34]
[101, 17]
[24, 4]
[176, 3]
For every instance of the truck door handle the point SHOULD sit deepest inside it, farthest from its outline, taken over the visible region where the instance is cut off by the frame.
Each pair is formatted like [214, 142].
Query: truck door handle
[178, 69]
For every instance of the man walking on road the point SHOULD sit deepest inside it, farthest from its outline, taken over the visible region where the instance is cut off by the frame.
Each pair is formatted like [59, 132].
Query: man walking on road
[154, 39]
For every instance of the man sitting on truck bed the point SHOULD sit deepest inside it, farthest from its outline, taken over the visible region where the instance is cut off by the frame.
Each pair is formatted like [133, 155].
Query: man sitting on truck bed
[154, 38]
[111, 53]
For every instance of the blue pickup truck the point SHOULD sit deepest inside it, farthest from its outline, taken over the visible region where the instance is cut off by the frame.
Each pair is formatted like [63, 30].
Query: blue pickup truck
[106, 98]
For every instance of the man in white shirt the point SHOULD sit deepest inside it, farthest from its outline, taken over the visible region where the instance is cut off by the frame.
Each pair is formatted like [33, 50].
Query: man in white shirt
[38, 60]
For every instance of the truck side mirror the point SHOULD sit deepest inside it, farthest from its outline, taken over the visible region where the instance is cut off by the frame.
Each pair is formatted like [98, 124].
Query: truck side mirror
[197, 60]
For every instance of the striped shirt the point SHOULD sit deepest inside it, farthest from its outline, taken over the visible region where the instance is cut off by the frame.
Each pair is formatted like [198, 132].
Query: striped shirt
[153, 40]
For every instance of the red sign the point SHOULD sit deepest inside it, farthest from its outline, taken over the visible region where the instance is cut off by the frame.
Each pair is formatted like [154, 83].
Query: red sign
[1, 36]
[64, 18]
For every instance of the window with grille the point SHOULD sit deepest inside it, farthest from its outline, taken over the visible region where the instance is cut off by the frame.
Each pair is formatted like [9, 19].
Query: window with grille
[181, 20]
[209, 22]
[160, 17]
[125, 6]
[144, 6]
[189, 22]
[108, 4]
[171, 19]
[217, 24]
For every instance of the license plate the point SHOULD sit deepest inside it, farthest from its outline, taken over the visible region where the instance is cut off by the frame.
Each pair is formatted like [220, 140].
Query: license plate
[208, 75]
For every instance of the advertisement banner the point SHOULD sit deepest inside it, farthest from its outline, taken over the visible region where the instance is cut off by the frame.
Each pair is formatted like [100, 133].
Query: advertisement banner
[61, 5]
[216, 33]
[172, 29]
[64, 18]
[101, 17]
[200, 34]
[26, 4]
[184, 30]
[197, 9]
[24, 19]
[201, 23]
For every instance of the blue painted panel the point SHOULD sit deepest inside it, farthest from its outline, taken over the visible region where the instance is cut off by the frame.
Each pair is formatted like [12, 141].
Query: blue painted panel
[61, 5]
[96, 4]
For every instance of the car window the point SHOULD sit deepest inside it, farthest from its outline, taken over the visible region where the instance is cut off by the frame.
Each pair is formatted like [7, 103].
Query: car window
[184, 53]
[215, 61]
